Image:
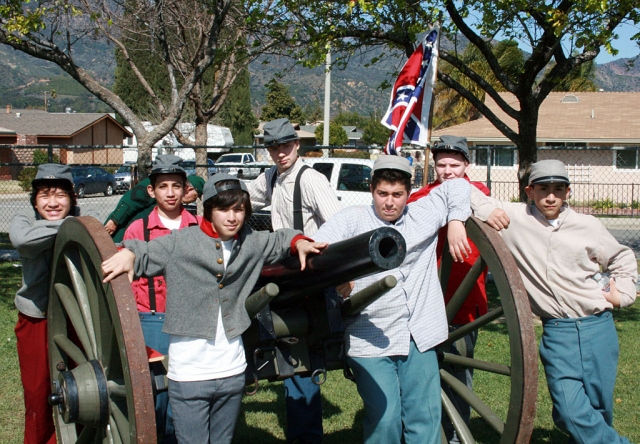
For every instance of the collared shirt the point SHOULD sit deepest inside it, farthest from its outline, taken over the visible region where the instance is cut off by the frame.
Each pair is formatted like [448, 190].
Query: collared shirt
[319, 202]
[156, 229]
[556, 262]
[476, 303]
[415, 307]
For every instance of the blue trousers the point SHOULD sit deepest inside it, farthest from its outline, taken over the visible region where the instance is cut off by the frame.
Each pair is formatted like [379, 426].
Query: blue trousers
[206, 412]
[401, 396]
[159, 341]
[304, 410]
[580, 358]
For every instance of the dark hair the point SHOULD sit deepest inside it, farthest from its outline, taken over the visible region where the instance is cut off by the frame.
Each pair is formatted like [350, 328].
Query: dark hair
[153, 179]
[391, 176]
[226, 199]
[48, 184]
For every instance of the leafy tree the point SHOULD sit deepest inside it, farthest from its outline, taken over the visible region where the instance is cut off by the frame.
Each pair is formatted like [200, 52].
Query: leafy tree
[281, 104]
[567, 33]
[236, 113]
[313, 112]
[337, 134]
[345, 118]
[374, 132]
[183, 37]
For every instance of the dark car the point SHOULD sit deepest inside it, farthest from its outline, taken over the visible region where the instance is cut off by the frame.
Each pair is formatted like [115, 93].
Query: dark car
[90, 180]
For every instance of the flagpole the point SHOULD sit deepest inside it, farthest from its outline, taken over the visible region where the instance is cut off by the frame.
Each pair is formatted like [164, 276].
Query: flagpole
[427, 149]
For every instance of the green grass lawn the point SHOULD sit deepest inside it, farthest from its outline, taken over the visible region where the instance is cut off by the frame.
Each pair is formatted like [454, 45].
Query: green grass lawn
[263, 420]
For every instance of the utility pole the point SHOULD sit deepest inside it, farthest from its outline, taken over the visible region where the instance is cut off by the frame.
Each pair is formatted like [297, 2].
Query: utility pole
[327, 102]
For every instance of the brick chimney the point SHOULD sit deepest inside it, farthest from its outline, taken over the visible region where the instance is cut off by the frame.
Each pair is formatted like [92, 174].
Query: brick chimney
[8, 109]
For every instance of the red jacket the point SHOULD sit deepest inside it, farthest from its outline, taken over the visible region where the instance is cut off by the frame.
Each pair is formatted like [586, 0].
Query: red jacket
[476, 303]
[140, 286]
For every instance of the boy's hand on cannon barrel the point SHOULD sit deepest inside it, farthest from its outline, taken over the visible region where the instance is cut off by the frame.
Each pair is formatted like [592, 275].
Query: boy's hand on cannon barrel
[305, 247]
[121, 262]
[458, 242]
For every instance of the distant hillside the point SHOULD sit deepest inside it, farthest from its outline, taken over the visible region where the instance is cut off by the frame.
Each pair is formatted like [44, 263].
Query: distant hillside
[24, 80]
[619, 75]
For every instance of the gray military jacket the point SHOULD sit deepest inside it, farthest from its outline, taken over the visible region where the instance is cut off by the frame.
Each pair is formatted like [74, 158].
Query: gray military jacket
[198, 285]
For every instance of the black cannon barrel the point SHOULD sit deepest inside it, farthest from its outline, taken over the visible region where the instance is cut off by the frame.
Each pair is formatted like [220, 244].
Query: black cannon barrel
[377, 250]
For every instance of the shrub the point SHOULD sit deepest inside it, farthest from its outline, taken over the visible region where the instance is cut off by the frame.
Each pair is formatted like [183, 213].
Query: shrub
[26, 176]
[603, 204]
[42, 156]
[635, 204]
[350, 154]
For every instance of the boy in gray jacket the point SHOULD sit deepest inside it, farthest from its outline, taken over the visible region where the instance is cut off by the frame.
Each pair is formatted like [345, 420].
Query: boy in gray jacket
[210, 270]
[558, 252]
[33, 235]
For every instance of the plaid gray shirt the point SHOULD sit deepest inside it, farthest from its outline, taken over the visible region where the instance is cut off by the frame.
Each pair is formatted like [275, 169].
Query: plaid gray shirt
[415, 307]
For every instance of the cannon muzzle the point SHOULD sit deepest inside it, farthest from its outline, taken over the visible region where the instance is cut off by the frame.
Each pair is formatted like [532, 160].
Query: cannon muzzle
[367, 296]
[377, 250]
[259, 299]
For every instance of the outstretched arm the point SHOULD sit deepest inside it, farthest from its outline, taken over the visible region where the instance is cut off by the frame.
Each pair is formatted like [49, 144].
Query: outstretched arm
[304, 248]
[119, 263]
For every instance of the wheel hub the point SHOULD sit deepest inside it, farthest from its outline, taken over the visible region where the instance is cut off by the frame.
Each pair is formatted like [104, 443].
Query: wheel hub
[81, 395]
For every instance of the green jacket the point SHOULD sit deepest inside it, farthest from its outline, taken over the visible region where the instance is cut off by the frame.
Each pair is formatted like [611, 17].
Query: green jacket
[134, 204]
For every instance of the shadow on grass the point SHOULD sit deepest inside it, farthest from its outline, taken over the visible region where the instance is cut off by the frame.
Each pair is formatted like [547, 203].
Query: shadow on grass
[246, 433]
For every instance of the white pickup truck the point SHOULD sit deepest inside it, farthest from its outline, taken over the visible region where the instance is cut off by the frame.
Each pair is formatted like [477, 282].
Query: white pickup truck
[349, 179]
[242, 165]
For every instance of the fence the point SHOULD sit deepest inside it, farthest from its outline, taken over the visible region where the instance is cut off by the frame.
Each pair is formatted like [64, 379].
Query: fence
[605, 181]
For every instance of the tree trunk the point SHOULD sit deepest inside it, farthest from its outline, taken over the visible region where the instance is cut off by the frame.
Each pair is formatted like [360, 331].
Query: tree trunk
[527, 147]
[145, 147]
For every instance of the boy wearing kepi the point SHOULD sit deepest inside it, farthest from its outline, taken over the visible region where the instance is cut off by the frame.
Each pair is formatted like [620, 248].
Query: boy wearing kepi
[33, 234]
[166, 186]
[210, 271]
[390, 344]
[558, 251]
[451, 161]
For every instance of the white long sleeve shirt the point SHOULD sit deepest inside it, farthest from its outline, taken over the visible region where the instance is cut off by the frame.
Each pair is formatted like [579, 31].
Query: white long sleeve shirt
[556, 262]
[319, 202]
[415, 307]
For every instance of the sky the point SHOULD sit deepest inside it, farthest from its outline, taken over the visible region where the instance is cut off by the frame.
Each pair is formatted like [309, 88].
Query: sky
[624, 44]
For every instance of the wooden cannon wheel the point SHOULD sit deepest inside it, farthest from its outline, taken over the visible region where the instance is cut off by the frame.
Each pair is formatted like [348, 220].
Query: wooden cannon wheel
[515, 376]
[101, 386]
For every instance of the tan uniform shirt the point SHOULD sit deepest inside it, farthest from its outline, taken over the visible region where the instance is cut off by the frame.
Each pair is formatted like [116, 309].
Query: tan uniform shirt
[556, 263]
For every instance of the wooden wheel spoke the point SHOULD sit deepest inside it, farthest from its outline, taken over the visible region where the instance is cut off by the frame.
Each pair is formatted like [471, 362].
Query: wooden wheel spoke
[460, 295]
[476, 364]
[72, 259]
[462, 430]
[70, 349]
[117, 388]
[73, 311]
[87, 435]
[119, 420]
[95, 294]
[445, 267]
[466, 329]
[474, 401]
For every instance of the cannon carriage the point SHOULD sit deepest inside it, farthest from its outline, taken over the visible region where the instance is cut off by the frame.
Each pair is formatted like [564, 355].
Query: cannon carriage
[103, 390]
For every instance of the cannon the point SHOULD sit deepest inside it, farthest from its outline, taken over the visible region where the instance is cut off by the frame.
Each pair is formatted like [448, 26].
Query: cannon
[102, 387]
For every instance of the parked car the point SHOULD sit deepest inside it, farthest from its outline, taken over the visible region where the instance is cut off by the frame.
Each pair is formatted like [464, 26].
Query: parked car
[242, 165]
[123, 177]
[91, 180]
[190, 166]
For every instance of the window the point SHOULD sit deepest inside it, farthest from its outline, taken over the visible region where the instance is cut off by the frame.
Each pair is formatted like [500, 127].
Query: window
[324, 168]
[626, 160]
[499, 157]
[354, 177]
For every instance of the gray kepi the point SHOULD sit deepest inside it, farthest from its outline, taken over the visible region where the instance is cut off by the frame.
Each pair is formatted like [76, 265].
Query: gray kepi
[279, 131]
[390, 162]
[52, 171]
[454, 144]
[168, 164]
[548, 171]
[211, 188]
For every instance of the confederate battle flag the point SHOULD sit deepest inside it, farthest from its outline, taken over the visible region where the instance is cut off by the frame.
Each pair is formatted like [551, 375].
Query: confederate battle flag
[408, 113]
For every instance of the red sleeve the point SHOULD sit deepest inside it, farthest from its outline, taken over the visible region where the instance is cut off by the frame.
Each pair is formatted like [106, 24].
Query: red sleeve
[419, 194]
[482, 187]
[294, 250]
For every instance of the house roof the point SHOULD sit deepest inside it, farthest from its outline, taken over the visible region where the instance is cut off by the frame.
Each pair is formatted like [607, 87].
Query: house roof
[6, 131]
[593, 117]
[51, 124]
